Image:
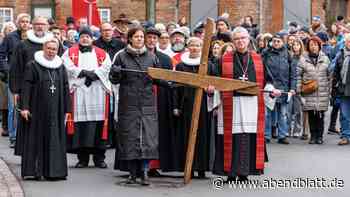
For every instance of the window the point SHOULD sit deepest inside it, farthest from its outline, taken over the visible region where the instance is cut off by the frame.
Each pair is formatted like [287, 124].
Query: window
[6, 14]
[43, 11]
[105, 15]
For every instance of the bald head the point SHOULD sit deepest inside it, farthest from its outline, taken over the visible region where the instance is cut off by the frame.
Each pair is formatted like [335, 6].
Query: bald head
[106, 32]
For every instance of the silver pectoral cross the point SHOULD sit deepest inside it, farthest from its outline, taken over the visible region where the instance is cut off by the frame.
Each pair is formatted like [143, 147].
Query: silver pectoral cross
[244, 77]
[52, 88]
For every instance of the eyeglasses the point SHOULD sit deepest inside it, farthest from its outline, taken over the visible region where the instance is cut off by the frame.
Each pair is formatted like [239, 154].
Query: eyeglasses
[39, 24]
[277, 41]
[240, 38]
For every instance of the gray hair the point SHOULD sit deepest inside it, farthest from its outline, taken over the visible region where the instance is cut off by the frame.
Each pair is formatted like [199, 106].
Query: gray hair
[40, 17]
[22, 15]
[194, 39]
[51, 40]
[240, 30]
[6, 25]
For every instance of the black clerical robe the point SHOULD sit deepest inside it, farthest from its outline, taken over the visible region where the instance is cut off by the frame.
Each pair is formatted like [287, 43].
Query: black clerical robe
[185, 101]
[240, 153]
[45, 94]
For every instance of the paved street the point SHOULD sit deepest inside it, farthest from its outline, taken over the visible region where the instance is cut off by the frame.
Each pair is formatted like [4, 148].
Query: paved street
[298, 160]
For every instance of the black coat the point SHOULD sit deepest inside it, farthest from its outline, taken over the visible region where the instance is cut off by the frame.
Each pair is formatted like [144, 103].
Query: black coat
[137, 130]
[186, 98]
[23, 54]
[280, 71]
[111, 47]
[168, 143]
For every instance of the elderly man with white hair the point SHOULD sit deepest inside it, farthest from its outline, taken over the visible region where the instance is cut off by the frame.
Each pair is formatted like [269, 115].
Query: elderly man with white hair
[45, 102]
[240, 142]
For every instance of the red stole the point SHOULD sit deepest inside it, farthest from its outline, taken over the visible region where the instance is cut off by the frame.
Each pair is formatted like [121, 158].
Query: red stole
[73, 53]
[227, 72]
[176, 59]
[155, 164]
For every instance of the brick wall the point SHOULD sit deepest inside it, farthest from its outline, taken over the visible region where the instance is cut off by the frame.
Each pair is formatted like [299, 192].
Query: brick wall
[317, 9]
[166, 9]
[238, 9]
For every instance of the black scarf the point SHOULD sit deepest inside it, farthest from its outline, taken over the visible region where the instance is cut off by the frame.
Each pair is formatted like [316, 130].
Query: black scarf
[313, 58]
[84, 49]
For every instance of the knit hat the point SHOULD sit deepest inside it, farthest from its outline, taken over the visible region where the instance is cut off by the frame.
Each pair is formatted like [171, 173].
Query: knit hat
[70, 20]
[220, 18]
[153, 30]
[278, 35]
[180, 31]
[199, 28]
[85, 30]
[316, 18]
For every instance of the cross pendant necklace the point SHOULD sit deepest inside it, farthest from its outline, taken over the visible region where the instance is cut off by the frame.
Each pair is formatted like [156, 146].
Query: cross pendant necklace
[52, 87]
[244, 76]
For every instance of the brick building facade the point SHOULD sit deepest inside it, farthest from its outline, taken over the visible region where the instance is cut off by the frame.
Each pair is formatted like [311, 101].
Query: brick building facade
[267, 13]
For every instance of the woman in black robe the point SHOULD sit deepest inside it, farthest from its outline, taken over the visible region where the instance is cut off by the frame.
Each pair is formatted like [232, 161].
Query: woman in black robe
[190, 62]
[45, 103]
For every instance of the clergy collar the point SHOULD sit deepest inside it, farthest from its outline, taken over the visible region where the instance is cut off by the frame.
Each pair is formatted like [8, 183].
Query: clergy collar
[55, 63]
[185, 58]
[32, 37]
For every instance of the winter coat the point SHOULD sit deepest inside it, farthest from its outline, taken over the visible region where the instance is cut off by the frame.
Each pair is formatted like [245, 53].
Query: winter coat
[307, 70]
[7, 48]
[137, 130]
[280, 71]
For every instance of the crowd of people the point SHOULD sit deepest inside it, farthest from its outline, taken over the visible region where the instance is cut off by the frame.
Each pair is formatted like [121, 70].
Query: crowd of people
[82, 89]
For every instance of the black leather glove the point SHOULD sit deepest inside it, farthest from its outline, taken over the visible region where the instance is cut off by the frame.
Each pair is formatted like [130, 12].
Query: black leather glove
[91, 75]
[82, 74]
[88, 82]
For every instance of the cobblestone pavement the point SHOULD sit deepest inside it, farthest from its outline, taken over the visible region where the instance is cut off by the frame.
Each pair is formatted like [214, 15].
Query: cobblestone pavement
[9, 184]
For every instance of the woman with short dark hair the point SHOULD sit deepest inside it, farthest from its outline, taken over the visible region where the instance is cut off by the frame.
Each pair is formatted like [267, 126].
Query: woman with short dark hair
[313, 67]
[137, 136]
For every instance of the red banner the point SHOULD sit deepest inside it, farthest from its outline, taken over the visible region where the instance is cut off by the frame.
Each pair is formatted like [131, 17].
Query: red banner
[86, 9]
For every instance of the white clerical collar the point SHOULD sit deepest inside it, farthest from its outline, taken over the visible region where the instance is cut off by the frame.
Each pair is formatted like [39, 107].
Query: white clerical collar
[185, 58]
[55, 63]
[32, 37]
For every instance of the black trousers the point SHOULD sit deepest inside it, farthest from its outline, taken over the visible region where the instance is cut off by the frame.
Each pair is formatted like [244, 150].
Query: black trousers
[4, 121]
[334, 117]
[137, 167]
[316, 123]
[98, 155]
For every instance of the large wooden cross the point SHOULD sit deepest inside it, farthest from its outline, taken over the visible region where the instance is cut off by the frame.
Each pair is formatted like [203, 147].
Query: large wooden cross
[201, 81]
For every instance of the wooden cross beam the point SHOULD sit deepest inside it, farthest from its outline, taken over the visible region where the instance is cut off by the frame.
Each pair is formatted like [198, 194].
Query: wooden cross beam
[201, 81]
